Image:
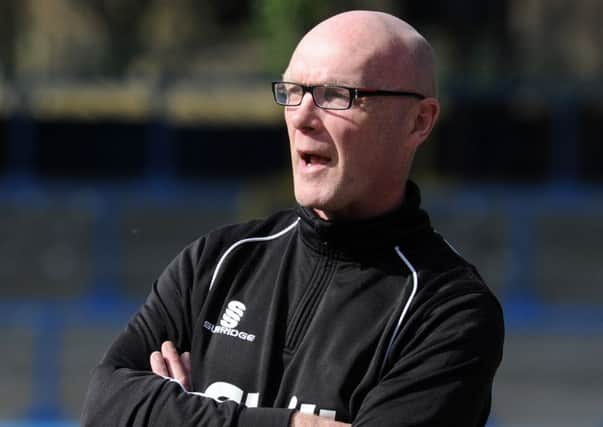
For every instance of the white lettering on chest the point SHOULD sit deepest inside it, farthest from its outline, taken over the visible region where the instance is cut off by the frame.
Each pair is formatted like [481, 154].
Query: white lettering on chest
[222, 391]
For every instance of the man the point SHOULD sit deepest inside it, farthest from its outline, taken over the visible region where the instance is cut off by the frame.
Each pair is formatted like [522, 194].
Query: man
[348, 309]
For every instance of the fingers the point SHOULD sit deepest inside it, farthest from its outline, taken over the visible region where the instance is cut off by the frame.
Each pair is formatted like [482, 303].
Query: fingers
[158, 365]
[186, 362]
[168, 363]
[175, 365]
[307, 420]
[185, 359]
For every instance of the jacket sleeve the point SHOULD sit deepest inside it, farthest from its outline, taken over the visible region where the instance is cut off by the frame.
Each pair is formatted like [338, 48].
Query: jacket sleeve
[124, 392]
[441, 374]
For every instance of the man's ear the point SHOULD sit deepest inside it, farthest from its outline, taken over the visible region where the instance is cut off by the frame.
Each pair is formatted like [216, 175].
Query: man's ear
[427, 115]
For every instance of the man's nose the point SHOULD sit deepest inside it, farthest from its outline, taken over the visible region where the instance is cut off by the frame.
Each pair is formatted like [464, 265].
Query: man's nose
[306, 115]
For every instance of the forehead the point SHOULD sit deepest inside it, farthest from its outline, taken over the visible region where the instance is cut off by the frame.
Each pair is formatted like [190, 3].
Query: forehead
[316, 62]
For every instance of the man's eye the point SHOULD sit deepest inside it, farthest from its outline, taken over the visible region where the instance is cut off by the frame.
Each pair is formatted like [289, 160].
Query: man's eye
[294, 91]
[335, 95]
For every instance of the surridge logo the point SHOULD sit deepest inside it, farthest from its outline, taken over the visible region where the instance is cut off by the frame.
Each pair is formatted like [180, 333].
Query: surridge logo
[234, 312]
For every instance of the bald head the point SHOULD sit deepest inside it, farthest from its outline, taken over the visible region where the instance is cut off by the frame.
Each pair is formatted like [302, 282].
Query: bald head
[353, 163]
[384, 51]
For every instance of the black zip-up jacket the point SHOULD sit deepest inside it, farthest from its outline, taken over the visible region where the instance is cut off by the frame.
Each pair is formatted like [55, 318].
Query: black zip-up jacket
[375, 323]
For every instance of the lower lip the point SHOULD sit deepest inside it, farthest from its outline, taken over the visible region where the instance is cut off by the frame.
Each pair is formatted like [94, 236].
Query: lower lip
[310, 168]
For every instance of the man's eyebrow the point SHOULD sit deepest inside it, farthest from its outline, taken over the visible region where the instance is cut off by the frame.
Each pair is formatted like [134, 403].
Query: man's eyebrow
[344, 83]
[333, 82]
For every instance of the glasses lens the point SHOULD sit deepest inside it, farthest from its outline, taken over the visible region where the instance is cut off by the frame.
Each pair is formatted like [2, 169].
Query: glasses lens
[332, 97]
[288, 93]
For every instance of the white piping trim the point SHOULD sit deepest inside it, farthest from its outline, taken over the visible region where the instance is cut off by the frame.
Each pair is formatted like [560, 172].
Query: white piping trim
[452, 247]
[415, 285]
[449, 244]
[250, 239]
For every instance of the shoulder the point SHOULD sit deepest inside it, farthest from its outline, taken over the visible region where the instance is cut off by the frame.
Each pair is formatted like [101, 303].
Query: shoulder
[454, 308]
[214, 243]
[273, 225]
[439, 267]
[196, 261]
[450, 287]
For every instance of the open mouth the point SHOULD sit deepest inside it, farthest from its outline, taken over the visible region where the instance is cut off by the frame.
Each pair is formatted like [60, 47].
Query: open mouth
[314, 159]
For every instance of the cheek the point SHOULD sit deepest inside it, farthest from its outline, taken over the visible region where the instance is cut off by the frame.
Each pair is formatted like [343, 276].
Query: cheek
[291, 136]
[289, 127]
[378, 153]
[354, 148]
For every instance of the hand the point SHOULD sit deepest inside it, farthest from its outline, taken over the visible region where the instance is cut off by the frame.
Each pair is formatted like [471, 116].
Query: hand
[305, 420]
[168, 363]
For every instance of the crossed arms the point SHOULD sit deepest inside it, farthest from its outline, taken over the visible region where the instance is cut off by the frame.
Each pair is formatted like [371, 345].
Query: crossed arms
[168, 363]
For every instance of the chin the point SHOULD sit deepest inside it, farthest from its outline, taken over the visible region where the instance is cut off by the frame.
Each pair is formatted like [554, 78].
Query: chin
[310, 200]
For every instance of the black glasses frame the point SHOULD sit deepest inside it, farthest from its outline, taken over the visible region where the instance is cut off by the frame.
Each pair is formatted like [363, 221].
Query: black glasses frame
[354, 92]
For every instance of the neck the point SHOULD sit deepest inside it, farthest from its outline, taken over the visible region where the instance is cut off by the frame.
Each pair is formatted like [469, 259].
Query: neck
[348, 215]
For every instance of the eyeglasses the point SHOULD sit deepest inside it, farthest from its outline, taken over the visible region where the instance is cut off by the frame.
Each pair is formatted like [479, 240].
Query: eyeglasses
[328, 97]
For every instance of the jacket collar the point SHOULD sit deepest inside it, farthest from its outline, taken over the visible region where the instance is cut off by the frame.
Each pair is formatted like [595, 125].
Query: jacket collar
[372, 234]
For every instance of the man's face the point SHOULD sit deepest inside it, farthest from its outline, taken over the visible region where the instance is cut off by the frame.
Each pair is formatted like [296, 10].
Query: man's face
[347, 163]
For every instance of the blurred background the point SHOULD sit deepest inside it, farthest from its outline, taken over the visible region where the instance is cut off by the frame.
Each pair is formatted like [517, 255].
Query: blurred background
[130, 127]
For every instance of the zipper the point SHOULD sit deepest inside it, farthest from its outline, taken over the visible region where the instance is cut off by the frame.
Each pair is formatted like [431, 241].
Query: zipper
[302, 317]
